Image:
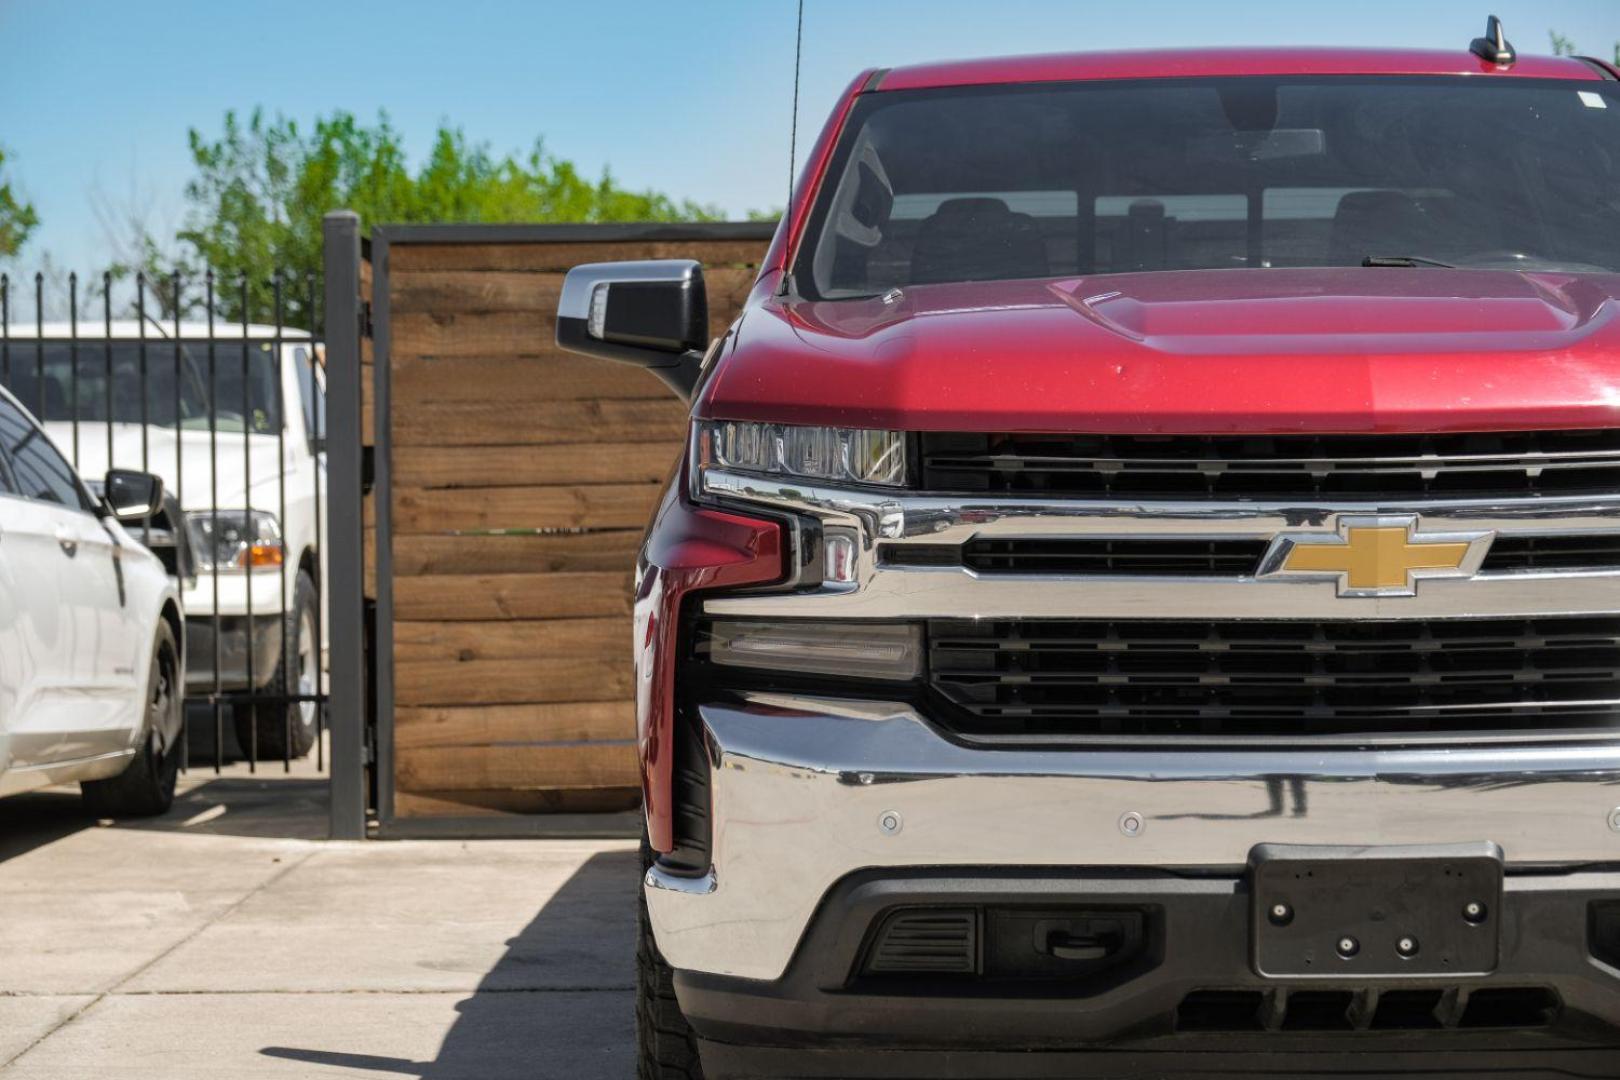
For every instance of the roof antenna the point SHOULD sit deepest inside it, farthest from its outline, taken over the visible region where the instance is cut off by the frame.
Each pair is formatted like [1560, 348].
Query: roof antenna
[793, 140]
[1494, 46]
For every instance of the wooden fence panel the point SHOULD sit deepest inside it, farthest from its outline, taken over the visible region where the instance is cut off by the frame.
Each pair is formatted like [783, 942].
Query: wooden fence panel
[521, 479]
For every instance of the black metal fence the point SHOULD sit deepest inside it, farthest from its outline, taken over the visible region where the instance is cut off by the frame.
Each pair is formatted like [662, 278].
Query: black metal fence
[171, 374]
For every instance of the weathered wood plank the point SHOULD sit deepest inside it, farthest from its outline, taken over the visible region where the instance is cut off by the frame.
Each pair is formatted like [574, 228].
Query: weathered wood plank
[486, 768]
[446, 335]
[404, 258]
[511, 682]
[533, 466]
[559, 639]
[518, 423]
[512, 596]
[602, 506]
[553, 375]
[551, 553]
[505, 725]
[460, 291]
[415, 804]
[368, 407]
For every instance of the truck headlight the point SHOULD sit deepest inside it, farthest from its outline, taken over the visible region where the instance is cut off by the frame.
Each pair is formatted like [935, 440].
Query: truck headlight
[858, 650]
[839, 455]
[235, 539]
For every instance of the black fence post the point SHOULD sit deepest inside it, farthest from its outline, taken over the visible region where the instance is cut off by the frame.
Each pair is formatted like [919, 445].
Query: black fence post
[346, 522]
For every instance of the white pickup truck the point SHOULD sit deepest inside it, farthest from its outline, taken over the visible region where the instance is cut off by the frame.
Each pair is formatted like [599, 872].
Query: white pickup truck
[249, 476]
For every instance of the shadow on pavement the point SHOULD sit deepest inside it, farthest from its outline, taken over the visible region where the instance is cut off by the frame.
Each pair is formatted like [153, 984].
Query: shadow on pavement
[37, 819]
[270, 805]
[558, 1004]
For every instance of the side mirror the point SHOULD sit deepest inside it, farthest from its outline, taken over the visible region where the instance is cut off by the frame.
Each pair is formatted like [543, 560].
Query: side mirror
[653, 314]
[132, 496]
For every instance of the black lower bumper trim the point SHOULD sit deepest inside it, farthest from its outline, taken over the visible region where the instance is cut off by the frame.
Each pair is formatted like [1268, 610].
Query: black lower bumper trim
[824, 1018]
[726, 1062]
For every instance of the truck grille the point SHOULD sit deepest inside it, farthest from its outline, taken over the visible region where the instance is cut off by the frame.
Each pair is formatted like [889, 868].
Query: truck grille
[1077, 679]
[1273, 466]
[1215, 558]
[1199, 558]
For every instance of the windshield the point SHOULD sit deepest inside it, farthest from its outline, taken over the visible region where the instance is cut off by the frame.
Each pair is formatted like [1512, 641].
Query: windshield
[179, 382]
[988, 183]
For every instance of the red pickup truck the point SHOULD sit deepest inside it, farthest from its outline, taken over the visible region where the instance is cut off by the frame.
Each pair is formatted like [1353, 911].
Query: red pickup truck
[1142, 597]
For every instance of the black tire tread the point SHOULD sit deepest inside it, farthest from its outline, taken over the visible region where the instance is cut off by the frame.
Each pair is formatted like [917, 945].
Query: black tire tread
[273, 724]
[146, 787]
[666, 1046]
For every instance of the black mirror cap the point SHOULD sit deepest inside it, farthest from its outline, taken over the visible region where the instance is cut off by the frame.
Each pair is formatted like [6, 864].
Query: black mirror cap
[654, 314]
[132, 495]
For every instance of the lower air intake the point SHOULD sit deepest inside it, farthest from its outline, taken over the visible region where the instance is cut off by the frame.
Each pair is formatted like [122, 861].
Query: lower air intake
[938, 941]
[1514, 1007]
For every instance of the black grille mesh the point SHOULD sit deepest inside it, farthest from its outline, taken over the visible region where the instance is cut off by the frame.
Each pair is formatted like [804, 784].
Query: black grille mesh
[1273, 466]
[1088, 678]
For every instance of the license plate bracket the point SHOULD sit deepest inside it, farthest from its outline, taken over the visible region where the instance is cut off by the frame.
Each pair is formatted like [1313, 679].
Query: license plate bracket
[1375, 912]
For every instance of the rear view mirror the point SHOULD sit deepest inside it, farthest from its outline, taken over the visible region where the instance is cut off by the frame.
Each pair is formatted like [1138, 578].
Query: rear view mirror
[1277, 144]
[132, 496]
[653, 314]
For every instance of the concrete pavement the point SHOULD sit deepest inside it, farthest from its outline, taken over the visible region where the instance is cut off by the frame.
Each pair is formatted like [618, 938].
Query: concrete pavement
[224, 940]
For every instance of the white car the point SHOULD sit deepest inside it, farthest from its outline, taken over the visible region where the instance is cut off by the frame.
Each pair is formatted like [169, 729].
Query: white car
[91, 650]
[248, 475]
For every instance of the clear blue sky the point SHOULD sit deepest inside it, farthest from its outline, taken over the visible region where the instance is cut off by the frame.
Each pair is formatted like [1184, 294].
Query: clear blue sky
[688, 96]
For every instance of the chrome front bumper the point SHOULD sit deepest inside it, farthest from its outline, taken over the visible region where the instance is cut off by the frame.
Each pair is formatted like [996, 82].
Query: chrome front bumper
[808, 791]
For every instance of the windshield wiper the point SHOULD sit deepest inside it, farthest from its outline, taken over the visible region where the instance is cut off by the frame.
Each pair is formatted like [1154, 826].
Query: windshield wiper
[1404, 260]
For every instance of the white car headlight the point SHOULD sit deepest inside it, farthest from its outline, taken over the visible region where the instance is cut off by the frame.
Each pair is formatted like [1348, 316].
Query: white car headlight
[235, 539]
[836, 455]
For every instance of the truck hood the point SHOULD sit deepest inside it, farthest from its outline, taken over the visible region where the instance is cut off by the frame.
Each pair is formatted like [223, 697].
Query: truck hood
[184, 459]
[1190, 352]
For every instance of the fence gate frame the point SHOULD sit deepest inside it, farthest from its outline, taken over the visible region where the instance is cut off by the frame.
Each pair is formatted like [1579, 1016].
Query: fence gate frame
[362, 664]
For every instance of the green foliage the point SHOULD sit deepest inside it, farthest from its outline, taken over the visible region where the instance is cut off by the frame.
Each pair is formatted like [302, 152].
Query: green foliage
[1562, 45]
[17, 218]
[262, 187]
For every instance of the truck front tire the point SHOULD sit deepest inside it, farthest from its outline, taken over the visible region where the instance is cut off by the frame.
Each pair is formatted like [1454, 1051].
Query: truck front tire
[276, 730]
[666, 1049]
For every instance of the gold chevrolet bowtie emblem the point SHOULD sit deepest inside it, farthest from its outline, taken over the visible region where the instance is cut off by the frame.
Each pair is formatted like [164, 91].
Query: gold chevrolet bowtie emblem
[1376, 556]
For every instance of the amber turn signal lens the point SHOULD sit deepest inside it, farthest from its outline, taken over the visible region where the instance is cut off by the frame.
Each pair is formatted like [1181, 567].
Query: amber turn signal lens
[261, 555]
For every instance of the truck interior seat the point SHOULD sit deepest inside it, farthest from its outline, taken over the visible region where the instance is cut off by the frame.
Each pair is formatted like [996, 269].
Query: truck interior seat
[1379, 223]
[970, 239]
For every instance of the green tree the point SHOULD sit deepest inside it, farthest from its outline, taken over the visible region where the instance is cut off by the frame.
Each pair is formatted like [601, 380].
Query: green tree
[1562, 45]
[262, 186]
[17, 218]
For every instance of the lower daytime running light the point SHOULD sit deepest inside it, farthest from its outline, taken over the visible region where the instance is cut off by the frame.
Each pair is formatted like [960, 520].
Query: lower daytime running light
[872, 651]
[841, 455]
